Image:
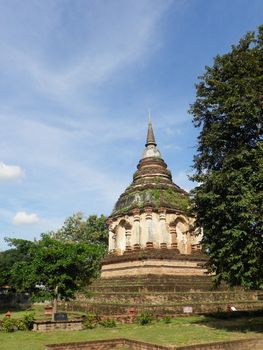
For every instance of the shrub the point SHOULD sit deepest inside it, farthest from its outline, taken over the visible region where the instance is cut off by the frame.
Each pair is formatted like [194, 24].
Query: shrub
[29, 320]
[11, 325]
[7, 325]
[108, 323]
[19, 325]
[145, 318]
[90, 321]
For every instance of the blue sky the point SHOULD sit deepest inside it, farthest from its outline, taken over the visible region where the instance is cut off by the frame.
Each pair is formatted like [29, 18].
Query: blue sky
[76, 81]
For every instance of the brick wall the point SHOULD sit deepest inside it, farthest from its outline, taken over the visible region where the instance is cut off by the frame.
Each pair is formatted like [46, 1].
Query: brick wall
[47, 326]
[91, 345]
[248, 344]
[245, 344]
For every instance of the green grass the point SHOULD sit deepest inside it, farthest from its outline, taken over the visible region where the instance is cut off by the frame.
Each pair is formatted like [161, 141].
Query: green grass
[38, 310]
[182, 330]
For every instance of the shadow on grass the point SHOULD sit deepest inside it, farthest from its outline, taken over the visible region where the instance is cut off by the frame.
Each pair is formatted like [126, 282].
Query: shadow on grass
[243, 321]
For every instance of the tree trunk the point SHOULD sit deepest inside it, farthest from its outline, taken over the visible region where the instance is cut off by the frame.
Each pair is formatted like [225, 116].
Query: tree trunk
[55, 307]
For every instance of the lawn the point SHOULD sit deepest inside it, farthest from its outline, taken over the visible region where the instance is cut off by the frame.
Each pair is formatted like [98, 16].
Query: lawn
[182, 330]
[38, 310]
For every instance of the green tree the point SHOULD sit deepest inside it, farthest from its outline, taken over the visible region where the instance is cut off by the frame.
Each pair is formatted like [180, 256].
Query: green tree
[56, 269]
[76, 228]
[228, 200]
[19, 252]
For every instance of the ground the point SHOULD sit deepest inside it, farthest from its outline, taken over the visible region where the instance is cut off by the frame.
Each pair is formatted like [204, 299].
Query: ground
[182, 330]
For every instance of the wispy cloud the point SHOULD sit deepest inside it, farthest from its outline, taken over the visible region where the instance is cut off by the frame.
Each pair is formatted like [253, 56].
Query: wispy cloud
[115, 45]
[51, 150]
[58, 119]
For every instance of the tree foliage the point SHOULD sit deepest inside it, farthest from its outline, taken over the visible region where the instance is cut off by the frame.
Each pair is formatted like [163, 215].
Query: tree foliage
[229, 162]
[60, 262]
[19, 252]
[56, 269]
[78, 229]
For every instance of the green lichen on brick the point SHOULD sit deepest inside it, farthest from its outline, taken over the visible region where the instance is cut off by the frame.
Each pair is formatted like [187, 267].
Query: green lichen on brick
[176, 199]
[155, 197]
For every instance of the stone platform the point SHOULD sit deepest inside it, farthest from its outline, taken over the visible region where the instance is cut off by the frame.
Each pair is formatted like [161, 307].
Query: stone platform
[153, 262]
[162, 295]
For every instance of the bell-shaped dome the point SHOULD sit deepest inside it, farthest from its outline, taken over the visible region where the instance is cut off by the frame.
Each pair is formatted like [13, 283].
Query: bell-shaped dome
[152, 184]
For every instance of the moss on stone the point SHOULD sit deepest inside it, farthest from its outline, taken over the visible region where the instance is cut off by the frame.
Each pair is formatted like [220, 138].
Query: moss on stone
[155, 197]
[176, 199]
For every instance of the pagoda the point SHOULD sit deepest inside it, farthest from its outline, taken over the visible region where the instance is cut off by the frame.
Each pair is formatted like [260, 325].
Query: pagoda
[155, 262]
[150, 230]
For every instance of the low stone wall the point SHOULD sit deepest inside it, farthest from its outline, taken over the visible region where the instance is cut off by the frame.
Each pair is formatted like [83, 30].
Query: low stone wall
[47, 326]
[245, 344]
[121, 311]
[90, 345]
[107, 345]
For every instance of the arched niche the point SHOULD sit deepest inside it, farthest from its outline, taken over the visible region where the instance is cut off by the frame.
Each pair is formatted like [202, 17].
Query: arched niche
[181, 226]
[122, 231]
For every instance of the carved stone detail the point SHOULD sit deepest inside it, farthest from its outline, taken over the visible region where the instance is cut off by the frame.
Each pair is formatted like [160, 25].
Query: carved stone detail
[172, 228]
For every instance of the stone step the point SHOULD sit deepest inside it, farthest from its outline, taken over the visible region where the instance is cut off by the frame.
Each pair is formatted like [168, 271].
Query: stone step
[159, 298]
[151, 283]
[152, 278]
[114, 310]
[163, 295]
[152, 288]
[156, 284]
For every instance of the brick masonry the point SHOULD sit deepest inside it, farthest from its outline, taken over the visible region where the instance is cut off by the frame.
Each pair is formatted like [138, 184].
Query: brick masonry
[162, 295]
[48, 326]
[244, 344]
[154, 266]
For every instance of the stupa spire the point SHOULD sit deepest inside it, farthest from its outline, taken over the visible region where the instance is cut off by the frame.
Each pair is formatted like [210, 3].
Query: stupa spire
[150, 135]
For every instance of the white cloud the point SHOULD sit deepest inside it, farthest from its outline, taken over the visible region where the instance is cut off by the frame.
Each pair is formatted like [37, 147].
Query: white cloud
[10, 172]
[23, 218]
[128, 38]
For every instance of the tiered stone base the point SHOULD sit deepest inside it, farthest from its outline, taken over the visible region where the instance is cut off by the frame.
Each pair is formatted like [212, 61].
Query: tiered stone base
[124, 297]
[152, 266]
[162, 282]
[153, 262]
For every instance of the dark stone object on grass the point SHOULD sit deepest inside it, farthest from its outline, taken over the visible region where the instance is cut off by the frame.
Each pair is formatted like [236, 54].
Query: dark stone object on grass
[60, 316]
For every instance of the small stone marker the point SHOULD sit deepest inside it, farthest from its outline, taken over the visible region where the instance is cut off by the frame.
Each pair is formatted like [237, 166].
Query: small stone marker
[48, 310]
[132, 314]
[187, 309]
[60, 316]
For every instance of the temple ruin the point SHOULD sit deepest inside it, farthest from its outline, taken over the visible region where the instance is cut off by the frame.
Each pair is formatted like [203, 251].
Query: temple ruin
[152, 217]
